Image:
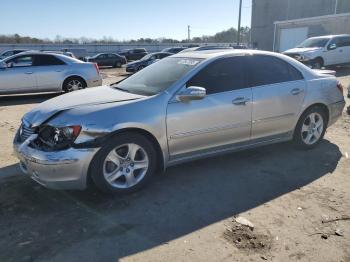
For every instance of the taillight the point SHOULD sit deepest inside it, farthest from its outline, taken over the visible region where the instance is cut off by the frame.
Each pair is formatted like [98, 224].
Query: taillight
[340, 88]
[97, 69]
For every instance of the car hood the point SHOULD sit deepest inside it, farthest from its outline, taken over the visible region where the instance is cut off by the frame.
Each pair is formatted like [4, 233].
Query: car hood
[301, 50]
[87, 97]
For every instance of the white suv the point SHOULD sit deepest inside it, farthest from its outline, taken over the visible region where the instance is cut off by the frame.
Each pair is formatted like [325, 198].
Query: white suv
[321, 51]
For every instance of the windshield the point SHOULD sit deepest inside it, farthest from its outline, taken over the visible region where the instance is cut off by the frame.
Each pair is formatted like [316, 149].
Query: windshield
[146, 57]
[159, 76]
[314, 42]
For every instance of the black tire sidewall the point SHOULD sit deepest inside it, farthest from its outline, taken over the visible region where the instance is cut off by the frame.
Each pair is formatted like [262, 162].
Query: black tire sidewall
[96, 167]
[65, 88]
[297, 138]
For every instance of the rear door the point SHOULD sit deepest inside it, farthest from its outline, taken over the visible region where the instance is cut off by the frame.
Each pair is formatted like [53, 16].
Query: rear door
[19, 76]
[49, 72]
[278, 93]
[223, 117]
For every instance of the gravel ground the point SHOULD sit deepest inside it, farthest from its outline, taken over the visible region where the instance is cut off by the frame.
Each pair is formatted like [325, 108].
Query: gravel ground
[298, 201]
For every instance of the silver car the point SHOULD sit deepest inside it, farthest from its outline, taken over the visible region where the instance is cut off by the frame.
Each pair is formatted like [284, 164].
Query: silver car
[184, 107]
[33, 72]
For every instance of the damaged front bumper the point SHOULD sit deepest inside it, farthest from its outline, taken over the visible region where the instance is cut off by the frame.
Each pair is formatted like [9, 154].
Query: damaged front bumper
[65, 169]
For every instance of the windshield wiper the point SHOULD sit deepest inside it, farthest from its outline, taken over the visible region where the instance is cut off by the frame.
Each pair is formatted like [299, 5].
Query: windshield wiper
[121, 89]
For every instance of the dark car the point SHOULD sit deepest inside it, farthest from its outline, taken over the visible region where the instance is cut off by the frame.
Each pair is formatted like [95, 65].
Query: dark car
[134, 54]
[11, 52]
[174, 50]
[105, 59]
[145, 61]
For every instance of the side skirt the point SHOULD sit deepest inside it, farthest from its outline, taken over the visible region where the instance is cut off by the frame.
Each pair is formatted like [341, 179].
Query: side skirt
[221, 150]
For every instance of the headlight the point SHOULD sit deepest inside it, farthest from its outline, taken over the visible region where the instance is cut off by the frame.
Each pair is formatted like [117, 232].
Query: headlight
[58, 137]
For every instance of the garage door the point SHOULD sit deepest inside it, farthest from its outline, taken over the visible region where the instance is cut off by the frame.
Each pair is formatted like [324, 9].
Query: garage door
[291, 37]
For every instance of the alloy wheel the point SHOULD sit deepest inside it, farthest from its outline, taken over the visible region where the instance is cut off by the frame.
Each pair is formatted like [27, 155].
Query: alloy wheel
[312, 128]
[74, 85]
[125, 166]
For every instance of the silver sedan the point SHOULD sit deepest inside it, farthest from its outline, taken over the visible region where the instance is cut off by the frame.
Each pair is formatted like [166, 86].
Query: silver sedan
[34, 72]
[184, 107]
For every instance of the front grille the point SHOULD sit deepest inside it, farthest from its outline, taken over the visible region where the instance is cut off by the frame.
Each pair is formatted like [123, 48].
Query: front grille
[25, 131]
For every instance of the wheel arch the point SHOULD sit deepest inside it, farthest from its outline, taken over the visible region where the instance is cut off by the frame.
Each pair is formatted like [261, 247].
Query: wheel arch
[72, 76]
[147, 134]
[321, 105]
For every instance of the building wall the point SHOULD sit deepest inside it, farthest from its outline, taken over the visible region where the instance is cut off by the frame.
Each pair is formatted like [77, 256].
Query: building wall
[339, 24]
[266, 12]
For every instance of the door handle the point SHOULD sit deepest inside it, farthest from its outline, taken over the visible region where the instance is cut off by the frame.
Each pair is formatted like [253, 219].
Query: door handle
[240, 101]
[296, 91]
[29, 73]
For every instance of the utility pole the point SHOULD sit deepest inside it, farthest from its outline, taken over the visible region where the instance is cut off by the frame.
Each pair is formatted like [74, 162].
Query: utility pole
[189, 33]
[239, 23]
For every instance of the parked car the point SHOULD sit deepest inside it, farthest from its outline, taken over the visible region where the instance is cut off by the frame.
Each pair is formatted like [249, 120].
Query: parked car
[205, 48]
[34, 71]
[134, 54]
[184, 107]
[145, 61]
[79, 53]
[108, 59]
[321, 51]
[8, 53]
[174, 50]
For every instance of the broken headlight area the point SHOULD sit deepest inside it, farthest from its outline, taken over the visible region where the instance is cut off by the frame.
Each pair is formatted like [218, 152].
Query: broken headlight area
[56, 138]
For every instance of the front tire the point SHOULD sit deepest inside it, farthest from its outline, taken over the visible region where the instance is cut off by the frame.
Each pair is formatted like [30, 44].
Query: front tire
[125, 164]
[311, 128]
[317, 63]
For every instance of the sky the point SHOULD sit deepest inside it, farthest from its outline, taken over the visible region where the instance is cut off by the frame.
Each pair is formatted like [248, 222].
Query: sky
[120, 19]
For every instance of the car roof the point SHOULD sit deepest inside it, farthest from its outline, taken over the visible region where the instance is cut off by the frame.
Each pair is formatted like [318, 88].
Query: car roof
[208, 54]
[35, 52]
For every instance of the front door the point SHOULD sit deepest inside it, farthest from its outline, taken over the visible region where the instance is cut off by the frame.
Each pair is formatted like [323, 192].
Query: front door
[222, 118]
[278, 92]
[19, 76]
[333, 56]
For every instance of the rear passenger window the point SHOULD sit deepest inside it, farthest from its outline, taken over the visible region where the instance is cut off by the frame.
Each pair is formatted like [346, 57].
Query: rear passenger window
[267, 70]
[221, 76]
[47, 60]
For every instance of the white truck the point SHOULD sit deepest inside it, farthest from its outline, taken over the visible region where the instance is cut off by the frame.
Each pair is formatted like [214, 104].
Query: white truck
[322, 51]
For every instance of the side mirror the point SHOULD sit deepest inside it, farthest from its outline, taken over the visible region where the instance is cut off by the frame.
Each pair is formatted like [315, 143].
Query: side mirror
[332, 46]
[191, 93]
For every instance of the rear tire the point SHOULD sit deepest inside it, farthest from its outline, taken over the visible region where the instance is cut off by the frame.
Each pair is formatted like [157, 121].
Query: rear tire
[73, 83]
[126, 163]
[311, 128]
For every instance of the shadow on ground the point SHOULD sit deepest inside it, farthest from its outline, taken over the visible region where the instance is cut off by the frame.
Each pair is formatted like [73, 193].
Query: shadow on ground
[40, 225]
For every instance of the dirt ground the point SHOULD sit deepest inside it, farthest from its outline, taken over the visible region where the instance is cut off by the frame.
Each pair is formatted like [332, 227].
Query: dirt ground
[298, 201]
